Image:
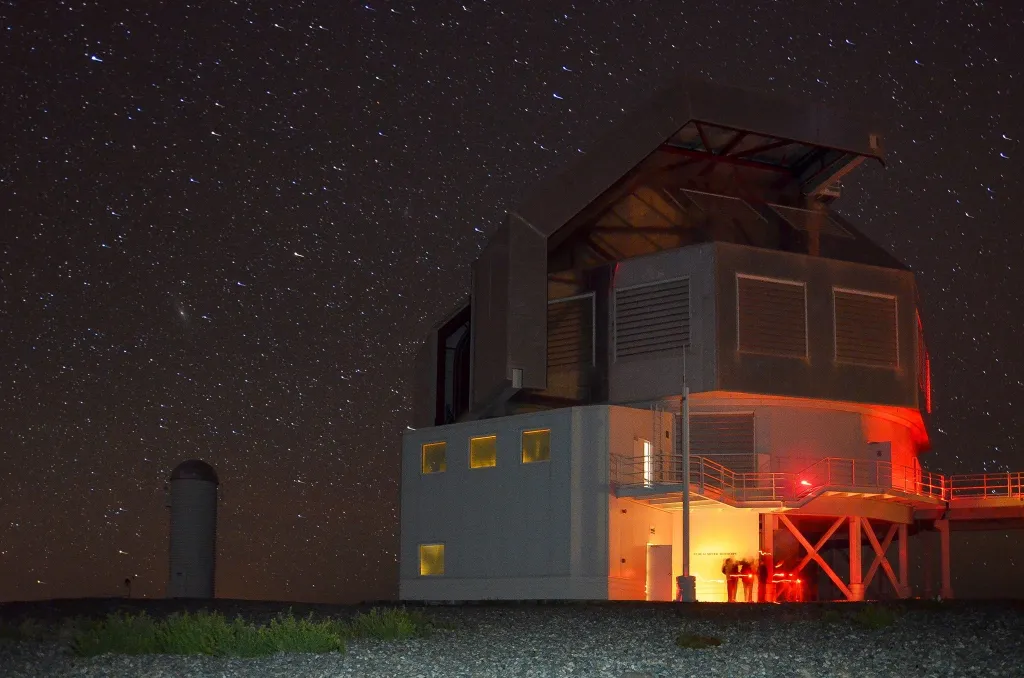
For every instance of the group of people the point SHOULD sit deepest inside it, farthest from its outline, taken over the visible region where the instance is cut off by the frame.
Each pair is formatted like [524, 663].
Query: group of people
[744, 573]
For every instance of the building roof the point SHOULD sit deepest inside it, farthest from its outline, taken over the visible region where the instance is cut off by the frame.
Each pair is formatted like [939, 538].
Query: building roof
[194, 469]
[804, 144]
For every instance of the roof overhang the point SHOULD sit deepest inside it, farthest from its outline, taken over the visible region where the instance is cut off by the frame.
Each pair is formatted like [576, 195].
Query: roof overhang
[803, 144]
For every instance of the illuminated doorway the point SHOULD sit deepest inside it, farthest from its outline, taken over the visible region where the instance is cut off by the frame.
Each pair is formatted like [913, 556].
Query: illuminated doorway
[659, 572]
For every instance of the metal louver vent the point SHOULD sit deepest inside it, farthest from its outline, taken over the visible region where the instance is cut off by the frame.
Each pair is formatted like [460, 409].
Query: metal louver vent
[866, 332]
[772, 316]
[652, 318]
[725, 438]
[571, 333]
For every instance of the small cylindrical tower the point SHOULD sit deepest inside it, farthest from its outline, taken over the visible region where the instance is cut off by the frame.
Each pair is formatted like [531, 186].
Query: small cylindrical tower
[193, 546]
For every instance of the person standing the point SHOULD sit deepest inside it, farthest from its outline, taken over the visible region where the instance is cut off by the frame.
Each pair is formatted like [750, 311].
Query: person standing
[729, 570]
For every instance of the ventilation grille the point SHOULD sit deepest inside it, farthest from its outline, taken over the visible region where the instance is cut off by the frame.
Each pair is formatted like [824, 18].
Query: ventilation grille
[726, 439]
[772, 317]
[866, 331]
[652, 318]
[803, 220]
[571, 333]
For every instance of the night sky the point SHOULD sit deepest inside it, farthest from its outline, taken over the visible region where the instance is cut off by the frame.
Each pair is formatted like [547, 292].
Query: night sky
[225, 227]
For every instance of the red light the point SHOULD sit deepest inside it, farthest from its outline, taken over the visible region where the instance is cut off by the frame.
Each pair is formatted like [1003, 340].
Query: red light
[805, 483]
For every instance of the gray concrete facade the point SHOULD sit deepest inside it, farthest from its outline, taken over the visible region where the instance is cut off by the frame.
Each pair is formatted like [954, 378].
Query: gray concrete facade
[514, 530]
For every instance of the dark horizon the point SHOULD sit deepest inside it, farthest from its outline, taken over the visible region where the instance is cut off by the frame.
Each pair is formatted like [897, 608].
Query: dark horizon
[229, 229]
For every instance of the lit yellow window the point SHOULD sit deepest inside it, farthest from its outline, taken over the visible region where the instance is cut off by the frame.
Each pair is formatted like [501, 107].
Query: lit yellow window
[483, 452]
[431, 560]
[536, 445]
[434, 457]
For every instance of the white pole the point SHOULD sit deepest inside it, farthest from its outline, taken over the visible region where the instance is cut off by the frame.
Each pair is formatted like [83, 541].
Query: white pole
[687, 584]
[686, 480]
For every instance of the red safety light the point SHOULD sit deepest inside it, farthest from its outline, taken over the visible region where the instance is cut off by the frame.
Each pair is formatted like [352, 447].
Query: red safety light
[805, 483]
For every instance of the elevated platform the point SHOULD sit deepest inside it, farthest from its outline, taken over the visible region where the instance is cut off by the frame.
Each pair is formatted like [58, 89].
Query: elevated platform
[990, 497]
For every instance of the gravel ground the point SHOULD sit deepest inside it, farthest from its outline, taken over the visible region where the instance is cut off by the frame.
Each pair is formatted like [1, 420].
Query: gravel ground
[958, 639]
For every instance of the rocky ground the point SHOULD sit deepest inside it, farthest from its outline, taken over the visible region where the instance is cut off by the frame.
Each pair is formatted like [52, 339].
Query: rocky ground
[594, 639]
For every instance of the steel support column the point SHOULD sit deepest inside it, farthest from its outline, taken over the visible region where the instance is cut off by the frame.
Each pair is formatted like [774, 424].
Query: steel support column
[942, 526]
[904, 568]
[856, 566]
[769, 523]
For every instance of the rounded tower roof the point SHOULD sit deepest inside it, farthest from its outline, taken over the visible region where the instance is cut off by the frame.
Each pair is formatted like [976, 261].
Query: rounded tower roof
[194, 469]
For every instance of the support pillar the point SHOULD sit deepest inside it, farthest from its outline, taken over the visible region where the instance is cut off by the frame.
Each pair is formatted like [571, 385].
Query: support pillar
[856, 566]
[904, 560]
[942, 526]
[769, 523]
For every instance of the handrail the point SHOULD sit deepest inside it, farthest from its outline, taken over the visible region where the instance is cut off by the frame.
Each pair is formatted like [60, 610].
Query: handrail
[713, 479]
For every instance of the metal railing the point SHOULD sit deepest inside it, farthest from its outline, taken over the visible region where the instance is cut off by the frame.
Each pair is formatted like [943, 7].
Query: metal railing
[712, 479]
[872, 474]
[708, 477]
[987, 485]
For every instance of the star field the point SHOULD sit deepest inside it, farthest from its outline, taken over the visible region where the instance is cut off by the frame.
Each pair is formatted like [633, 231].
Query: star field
[225, 230]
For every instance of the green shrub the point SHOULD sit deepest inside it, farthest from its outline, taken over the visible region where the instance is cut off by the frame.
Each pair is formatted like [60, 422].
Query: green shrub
[390, 624]
[205, 633]
[692, 641]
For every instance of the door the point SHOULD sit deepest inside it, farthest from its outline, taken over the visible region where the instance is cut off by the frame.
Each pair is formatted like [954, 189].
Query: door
[659, 572]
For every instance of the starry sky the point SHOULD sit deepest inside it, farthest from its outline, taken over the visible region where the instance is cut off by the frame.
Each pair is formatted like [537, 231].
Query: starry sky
[226, 226]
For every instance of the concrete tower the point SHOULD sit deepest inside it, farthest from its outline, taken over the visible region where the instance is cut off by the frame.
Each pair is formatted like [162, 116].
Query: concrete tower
[193, 545]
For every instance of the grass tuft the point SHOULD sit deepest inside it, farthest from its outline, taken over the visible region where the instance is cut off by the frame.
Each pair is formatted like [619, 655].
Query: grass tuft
[205, 634]
[390, 624]
[693, 641]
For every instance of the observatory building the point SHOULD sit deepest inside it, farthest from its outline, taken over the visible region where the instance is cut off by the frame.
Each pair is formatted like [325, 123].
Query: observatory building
[693, 250]
[192, 501]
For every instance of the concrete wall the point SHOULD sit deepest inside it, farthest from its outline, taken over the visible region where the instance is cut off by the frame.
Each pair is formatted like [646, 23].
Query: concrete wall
[791, 434]
[641, 378]
[818, 376]
[515, 530]
[631, 526]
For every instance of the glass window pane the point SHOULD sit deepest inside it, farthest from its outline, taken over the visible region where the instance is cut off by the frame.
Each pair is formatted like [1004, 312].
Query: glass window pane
[536, 446]
[483, 452]
[434, 457]
[431, 560]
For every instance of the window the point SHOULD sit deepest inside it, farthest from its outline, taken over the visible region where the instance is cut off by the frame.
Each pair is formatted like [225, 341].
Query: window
[483, 452]
[536, 446]
[431, 560]
[434, 457]
[865, 328]
[648, 463]
[771, 316]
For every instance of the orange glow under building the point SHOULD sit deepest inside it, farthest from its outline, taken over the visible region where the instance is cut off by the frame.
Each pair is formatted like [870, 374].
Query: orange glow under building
[694, 247]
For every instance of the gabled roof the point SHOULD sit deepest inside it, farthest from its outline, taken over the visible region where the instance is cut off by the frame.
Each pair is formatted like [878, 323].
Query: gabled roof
[805, 145]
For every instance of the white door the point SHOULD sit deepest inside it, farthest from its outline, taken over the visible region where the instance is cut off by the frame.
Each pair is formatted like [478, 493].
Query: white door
[659, 572]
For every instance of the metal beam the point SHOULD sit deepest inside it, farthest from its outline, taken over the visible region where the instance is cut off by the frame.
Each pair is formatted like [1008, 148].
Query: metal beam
[812, 551]
[763, 148]
[880, 555]
[728, 160]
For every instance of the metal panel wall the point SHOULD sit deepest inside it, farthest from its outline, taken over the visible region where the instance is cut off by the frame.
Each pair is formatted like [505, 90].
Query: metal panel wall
[527, 304]
[490, 320]
[818, 375]
[645, 376]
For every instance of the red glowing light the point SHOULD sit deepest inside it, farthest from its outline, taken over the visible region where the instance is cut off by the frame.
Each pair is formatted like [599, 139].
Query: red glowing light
[805, 483]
